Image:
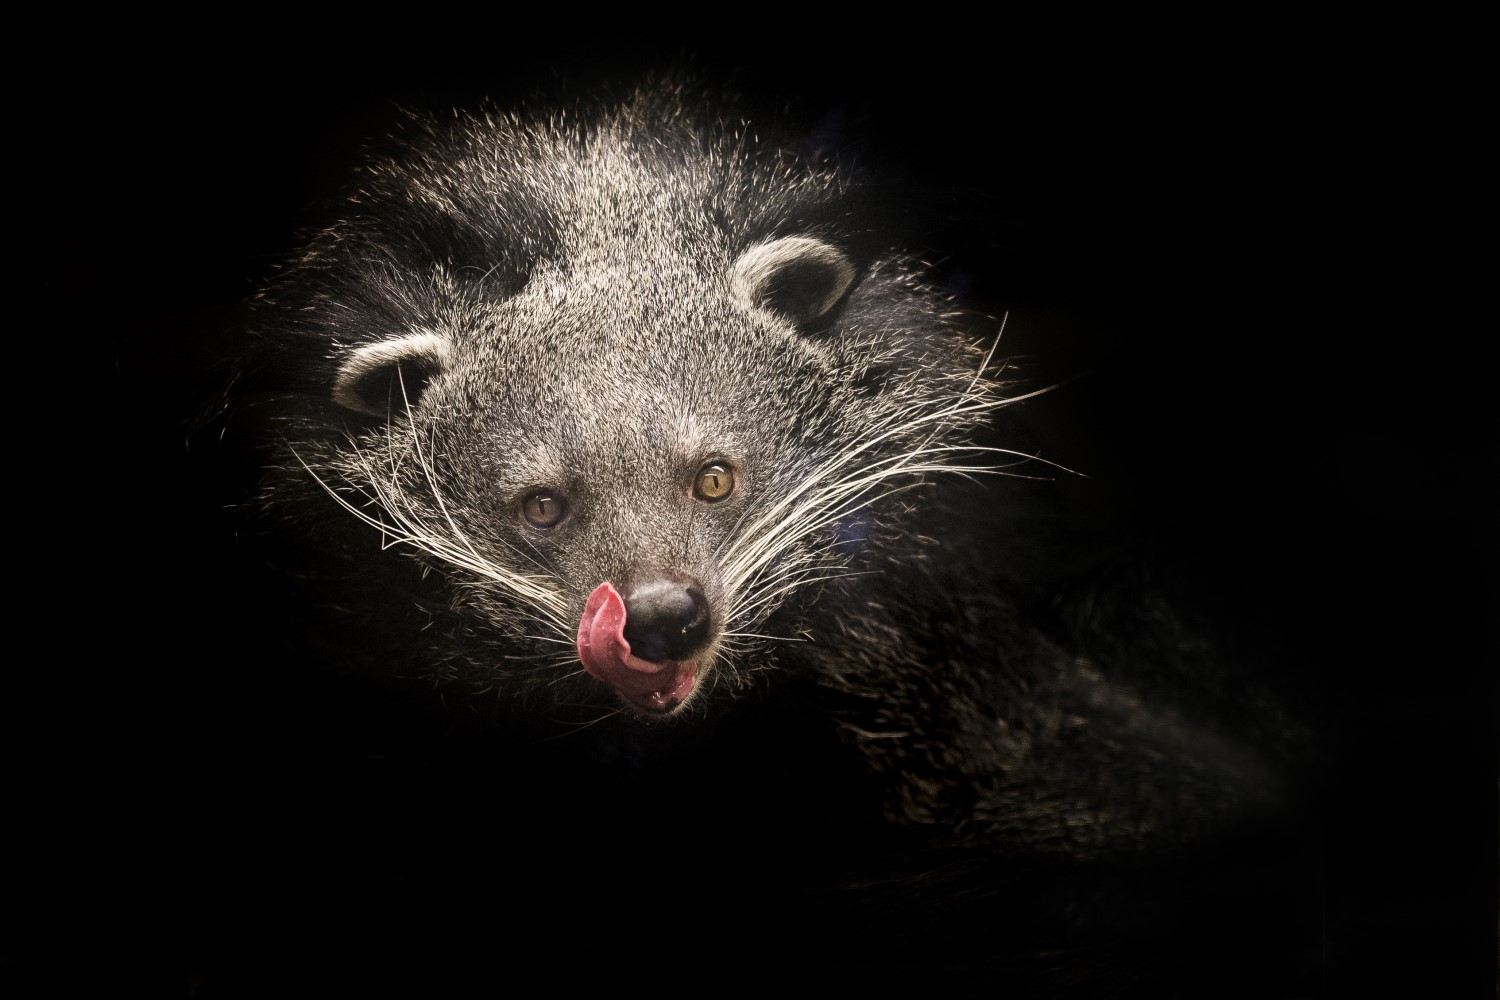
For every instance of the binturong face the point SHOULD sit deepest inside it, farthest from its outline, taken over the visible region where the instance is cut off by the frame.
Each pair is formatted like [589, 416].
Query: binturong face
[639, 443]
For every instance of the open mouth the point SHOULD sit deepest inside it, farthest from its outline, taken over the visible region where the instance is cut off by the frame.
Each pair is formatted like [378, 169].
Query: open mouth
[652, 685]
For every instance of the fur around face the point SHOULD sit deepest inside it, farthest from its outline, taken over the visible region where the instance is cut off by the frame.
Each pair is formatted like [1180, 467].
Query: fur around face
[588, 309]
[600, 308]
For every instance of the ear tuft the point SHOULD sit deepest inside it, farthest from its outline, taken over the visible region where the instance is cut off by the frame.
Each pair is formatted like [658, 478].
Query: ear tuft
[797, 277]
[386, 377]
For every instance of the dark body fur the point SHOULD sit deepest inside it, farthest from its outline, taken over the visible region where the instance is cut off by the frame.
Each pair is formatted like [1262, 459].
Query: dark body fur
[894, 763]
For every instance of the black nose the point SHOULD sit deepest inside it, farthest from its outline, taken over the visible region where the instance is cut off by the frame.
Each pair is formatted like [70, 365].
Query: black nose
[665, 620]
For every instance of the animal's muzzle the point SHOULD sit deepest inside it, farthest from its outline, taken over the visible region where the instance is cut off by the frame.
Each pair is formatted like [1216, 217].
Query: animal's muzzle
[666, 619]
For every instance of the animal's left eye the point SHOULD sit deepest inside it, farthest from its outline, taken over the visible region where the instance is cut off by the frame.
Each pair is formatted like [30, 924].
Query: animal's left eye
[714, 483]
[543, 509]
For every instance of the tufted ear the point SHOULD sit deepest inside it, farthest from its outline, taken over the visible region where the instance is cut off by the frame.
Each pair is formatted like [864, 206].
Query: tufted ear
[385, 377]
[796, 277]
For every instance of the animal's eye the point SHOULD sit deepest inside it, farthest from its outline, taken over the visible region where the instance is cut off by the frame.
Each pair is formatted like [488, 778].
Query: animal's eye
[543, 508]
[714, 483]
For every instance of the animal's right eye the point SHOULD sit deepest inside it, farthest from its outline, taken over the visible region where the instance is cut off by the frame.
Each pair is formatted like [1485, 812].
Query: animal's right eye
[543, 509]
[714, 483]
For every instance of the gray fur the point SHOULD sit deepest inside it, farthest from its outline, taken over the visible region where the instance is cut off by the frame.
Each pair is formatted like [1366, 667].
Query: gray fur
[598, 289]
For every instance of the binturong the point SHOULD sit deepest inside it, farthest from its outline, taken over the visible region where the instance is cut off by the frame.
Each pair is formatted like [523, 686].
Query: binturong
[632, 412]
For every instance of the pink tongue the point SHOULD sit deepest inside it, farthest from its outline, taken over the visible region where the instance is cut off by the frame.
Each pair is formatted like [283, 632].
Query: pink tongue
[606, 655]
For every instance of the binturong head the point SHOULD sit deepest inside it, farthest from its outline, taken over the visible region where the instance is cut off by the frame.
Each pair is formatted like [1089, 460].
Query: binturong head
[631, 382]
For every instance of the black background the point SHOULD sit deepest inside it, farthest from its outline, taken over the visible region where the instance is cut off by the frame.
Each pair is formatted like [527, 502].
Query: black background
[1257, 254]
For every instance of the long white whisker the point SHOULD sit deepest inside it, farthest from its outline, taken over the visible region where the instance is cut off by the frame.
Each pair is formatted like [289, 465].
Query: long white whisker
[757, 570]
[403, 528]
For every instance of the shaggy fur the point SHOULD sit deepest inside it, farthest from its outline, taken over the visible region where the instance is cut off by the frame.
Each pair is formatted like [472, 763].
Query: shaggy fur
[597, 302]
